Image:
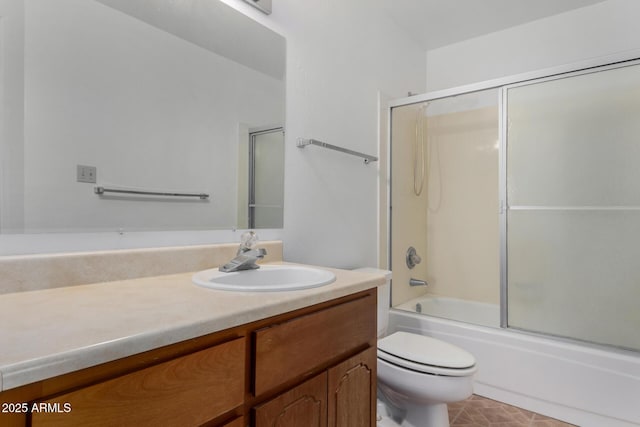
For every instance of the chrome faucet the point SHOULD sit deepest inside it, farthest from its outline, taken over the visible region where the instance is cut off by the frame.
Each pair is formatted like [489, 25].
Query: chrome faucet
[247, 254]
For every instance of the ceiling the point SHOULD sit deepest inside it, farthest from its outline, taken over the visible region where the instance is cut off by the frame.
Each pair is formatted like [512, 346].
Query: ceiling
[437, 23]
[214, 26]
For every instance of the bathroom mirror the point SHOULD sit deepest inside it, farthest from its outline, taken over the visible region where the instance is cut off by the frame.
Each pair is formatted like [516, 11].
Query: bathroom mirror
[142, 95]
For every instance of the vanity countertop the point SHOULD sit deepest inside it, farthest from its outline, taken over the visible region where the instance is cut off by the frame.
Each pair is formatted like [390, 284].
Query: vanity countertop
[46, 333]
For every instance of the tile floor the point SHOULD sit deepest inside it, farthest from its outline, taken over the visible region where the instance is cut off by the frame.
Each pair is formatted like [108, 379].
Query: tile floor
[478, 411]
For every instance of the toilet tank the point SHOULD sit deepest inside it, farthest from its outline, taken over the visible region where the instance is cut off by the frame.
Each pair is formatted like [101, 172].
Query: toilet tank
[384, 299]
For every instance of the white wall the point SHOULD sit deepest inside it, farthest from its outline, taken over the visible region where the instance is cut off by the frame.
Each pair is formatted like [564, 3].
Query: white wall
[339, 55]
[590, 32]
[11, 114]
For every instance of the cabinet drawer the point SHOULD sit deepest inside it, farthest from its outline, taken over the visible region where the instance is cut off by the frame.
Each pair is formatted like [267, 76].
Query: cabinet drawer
[238, 422]
[181, 392]
[297, 347]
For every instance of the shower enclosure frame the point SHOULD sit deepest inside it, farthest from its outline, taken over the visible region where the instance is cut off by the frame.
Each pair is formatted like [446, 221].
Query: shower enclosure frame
[253, 140]
[502, 85]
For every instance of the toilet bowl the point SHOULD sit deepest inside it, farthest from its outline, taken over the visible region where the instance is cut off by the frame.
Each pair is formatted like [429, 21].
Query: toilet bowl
[417, 375]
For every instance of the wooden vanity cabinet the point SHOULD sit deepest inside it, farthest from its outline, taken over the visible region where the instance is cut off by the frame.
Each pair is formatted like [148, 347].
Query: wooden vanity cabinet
[183, 391]
[315, 366]
[352, 391]
[303, 405]
[338, 341]
[238, 422]
[284, 351]
[342, 396]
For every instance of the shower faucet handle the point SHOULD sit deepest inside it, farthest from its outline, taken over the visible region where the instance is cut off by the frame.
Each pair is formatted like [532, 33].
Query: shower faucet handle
[413, 258]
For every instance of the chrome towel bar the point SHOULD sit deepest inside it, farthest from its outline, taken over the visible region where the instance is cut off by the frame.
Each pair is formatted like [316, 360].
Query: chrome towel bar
[303, 142]
[101, 190]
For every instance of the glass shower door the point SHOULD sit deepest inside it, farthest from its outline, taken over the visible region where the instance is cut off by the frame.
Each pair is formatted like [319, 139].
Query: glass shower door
[573, 206]
[444, 198]
[266, 179]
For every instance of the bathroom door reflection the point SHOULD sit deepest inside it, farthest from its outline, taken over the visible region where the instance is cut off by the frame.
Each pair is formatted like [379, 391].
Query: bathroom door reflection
[266, 178]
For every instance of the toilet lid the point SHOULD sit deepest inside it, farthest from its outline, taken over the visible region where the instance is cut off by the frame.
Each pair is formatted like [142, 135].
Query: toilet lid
[424, 353]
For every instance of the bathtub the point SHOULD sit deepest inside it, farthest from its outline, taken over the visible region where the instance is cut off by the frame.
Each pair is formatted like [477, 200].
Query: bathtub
[584, 385]
[478, 313]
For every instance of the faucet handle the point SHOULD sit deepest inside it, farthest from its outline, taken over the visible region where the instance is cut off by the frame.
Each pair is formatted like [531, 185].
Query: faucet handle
[248, 241]
[412, 257]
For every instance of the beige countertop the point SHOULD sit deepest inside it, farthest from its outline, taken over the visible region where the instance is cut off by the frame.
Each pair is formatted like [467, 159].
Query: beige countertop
[45, 333]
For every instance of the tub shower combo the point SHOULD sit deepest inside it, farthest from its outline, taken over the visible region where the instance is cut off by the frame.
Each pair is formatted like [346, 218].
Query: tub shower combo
[518, 202]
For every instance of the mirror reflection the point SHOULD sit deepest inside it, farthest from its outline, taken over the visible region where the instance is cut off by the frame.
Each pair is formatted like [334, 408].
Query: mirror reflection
[144, 95]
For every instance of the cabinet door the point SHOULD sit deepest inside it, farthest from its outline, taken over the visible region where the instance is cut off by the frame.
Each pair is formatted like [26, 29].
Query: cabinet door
[304, 405]
[352, 391]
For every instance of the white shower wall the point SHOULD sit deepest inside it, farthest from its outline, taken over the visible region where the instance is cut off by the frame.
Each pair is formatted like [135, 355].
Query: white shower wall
[453, 223]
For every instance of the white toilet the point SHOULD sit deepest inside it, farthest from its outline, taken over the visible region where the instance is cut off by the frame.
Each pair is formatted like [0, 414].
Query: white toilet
[417, 375]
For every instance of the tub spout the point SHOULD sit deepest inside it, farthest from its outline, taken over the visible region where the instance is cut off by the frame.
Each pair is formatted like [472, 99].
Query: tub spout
[416, 282]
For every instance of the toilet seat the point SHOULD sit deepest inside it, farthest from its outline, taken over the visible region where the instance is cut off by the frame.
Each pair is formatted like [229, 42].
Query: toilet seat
[426, 354]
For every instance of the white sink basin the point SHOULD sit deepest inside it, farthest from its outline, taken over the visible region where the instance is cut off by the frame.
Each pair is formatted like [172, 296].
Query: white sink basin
[267, 278]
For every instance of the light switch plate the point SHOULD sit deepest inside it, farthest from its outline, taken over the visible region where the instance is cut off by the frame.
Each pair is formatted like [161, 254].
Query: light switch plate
[87, 174]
